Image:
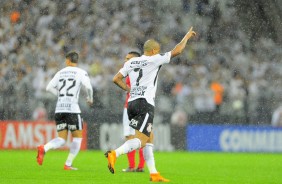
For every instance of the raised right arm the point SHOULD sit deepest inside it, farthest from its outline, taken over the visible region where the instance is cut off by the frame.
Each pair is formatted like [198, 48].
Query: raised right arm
[182, 44]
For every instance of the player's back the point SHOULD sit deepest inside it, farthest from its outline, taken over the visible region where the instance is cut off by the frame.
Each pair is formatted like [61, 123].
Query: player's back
[143, 73]
[68, 82]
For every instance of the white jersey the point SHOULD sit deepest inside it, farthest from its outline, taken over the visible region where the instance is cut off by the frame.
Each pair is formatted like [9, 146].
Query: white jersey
[67, 83]
[143, 73]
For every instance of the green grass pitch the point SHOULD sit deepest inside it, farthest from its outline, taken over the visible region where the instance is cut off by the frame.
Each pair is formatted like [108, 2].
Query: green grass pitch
[179, 167]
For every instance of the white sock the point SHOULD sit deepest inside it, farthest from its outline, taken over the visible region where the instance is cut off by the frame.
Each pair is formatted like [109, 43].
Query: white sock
[149, 158]
[74, 149]
[128, 146]
[54, 144]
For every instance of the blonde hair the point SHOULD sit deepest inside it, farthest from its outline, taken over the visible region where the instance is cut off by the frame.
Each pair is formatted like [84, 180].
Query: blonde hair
[151, 44]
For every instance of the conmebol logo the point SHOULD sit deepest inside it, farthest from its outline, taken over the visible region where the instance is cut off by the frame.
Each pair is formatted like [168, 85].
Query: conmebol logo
[251, 140]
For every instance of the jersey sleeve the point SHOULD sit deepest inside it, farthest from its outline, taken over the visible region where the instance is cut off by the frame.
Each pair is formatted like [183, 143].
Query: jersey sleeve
[54, 81]
[52, 85]
[161, 59]
[87, 84]
[124, 70]
[86, 80]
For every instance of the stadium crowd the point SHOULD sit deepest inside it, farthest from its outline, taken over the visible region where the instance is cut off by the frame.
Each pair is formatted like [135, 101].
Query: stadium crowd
[223, 78]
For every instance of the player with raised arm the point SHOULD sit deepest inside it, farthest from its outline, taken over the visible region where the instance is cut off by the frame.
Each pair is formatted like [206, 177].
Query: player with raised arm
[129, 131]
[143, 73]
[66, 85]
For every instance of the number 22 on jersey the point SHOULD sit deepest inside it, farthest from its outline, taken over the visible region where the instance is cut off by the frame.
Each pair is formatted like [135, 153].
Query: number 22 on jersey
[65, 87]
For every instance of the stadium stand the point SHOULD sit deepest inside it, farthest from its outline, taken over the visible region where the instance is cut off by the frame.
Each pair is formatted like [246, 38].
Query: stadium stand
[35, 35]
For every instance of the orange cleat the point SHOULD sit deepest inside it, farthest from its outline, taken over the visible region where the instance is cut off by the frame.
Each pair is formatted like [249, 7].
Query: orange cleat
[40, 154]
[156, 177]
[69, 168]
[111, 155]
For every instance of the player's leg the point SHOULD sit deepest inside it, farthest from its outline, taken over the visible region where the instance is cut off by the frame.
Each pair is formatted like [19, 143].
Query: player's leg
[132, 144]
[53, 144]
[139, 117]
[150, 160]
[130, 158]
[149, 156]
[62, 129]
[128, 133]
[139, 140]
[75, 121]
[141, 164]
[56, 142]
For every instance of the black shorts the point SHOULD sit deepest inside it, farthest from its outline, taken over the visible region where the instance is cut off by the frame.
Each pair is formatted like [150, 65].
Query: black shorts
[141, 115]
[68, 121]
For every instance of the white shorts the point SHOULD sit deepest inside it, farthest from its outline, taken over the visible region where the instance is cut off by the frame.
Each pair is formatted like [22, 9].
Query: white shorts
[127, 130]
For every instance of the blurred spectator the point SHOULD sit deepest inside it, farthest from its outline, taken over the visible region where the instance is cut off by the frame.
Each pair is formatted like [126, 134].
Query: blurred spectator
[15, 17]
[179, 118]
[34, 36]
[40, 113]
[186, 5]
[218, 92]
[276, 120]
[179, 121]
[202, 7]
[237, 92]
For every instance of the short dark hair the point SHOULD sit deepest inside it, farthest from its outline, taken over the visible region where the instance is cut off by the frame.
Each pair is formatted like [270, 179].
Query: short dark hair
[72, 56]
[135, 53]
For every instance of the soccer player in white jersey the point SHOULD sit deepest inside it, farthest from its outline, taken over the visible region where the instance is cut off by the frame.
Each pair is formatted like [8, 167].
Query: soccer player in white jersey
[66, 85]
[128, 131]
[143, 74]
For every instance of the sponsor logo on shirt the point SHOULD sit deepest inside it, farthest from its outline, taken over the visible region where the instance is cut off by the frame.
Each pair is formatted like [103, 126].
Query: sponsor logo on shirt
[138, 91]
[64, 106]
[61, 126]
[71, 127]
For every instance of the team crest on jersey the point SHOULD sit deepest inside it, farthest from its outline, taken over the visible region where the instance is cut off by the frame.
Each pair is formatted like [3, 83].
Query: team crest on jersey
[149, 127]
[134, 122]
